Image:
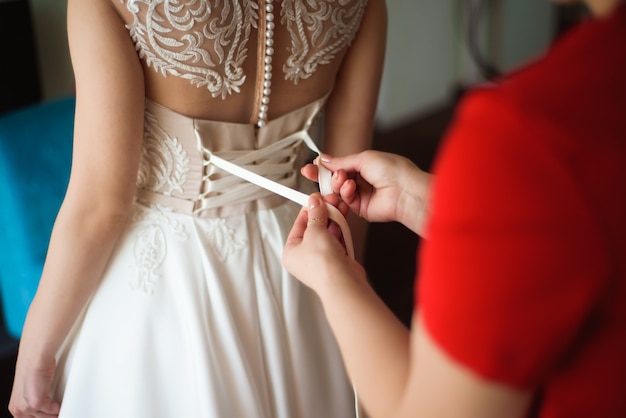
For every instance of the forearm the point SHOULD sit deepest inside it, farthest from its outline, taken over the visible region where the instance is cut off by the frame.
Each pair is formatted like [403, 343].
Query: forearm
[413, 202]
[80, 247]
[351, 108]
[373, 342]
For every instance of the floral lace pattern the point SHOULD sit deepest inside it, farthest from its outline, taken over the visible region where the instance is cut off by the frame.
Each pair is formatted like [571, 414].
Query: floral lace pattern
[155, 223]
[205, 41]
[164, 164]
[150, 248]
[222, 237]
[313, 40]
[176, 36]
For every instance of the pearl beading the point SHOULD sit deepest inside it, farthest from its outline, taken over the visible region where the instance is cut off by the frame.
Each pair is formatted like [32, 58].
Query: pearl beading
[267, 63]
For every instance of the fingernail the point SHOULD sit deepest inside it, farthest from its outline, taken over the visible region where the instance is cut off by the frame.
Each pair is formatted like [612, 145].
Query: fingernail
[314, 202]
[325, 158]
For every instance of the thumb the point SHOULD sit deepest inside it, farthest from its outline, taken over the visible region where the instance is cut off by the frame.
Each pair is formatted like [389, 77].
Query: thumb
[318, 214]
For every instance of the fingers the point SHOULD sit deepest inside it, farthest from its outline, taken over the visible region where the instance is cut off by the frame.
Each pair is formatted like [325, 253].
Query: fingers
[318, 214]
[347, 190]
[339, 176]
[328, 182]
[345, 172]
[319, 218]
[309, 220]
[341, 185]
[335, 200]
[350, 163]
[297, 230]
[324, 176]
[310, 172]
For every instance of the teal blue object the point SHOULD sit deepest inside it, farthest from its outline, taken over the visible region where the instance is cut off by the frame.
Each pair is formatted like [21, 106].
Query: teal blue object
[35, 160]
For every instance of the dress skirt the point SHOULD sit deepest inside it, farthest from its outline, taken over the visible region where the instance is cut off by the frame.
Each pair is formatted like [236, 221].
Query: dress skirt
[195, 317]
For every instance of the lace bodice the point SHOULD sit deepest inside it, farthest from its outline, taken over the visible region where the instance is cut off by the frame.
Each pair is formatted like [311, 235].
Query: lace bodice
[207, 41]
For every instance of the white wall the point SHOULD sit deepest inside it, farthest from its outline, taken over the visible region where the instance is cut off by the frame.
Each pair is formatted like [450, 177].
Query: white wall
[420, 58]
[426, 57]
[529, 28]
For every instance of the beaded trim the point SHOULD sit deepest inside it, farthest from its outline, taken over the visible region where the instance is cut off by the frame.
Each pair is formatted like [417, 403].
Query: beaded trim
[267, 61]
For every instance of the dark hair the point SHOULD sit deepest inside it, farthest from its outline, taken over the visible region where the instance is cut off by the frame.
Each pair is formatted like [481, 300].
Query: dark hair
[475, 10]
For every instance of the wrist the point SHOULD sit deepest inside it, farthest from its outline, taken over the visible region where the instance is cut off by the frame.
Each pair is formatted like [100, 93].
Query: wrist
[30, 358]
[415, 201]
[341, 281]
[38, 344]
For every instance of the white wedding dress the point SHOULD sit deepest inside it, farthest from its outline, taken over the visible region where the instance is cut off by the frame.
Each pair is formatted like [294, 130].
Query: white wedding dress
[195, 316]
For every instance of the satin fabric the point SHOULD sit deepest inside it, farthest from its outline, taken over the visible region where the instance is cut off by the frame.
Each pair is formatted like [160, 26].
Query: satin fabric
[195, 316]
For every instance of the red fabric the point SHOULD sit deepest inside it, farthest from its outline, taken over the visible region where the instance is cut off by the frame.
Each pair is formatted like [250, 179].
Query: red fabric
[523, 277]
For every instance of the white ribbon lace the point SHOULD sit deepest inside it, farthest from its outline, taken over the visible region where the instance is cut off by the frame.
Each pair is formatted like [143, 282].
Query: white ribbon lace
[296, 196]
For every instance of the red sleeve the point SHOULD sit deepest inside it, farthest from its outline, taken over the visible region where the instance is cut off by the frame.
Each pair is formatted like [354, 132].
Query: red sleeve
[504, 282]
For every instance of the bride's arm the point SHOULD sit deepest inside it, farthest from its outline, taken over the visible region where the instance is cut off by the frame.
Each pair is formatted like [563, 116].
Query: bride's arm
[351, 107]
[106, 150]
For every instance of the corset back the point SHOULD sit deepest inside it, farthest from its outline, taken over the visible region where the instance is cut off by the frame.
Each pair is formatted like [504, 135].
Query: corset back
[175, 171]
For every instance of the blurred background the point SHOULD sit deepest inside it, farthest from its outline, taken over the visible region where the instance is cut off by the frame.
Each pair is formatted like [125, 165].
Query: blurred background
[437, 50]
[427, 57]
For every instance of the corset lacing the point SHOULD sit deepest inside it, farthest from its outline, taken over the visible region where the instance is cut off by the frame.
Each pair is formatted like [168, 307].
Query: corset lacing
[256, 178]
[275, 162]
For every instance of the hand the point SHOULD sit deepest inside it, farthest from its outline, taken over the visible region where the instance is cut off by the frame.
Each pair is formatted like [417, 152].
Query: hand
[379, 187]
[314, 254]
[333, 228]
[31, 391]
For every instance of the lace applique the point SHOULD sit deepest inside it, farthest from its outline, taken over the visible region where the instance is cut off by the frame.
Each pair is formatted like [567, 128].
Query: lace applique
[186, 39]
[319, 30]
[206, 41]
[151, 245]
[164, 164]
[222, 238]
